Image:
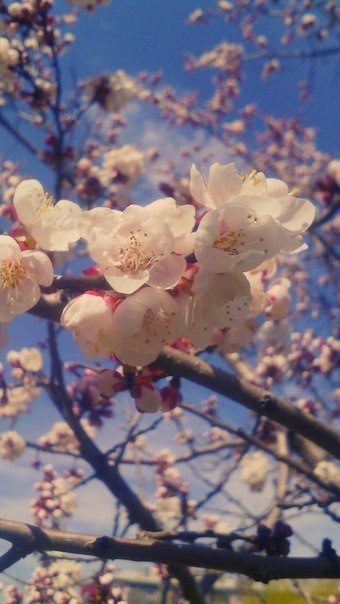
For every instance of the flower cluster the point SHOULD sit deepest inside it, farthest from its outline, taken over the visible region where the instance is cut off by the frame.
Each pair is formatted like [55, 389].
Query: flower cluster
[111, 91]
[61, 438]
[254, 469]
[12, 445]
[21, 273]
[54, 502]
[103, 588]
[170, 274]
[8, 55]
[55, 582]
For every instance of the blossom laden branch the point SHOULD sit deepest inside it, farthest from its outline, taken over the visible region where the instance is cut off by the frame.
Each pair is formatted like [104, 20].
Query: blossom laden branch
[252, 397]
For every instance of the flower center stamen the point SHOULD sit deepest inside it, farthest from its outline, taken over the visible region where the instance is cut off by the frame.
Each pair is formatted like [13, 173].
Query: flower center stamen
[135, 258]
[230, 242]
[11, 273]
[43, 205]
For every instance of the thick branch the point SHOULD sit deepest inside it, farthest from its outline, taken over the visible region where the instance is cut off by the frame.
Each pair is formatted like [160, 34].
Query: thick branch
[175, 362]
[13, 555]
[258, 567]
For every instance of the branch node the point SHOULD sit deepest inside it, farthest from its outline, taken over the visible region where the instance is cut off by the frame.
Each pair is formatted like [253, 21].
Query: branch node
[328, 551]
[101, 547]
[267, 402]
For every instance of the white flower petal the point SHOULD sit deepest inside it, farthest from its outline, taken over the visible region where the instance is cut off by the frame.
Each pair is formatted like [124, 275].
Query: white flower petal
[29, 196]
[224, 183]
[198, 188]
[276, 188]
[125, 283]
[167, 272]
[9, 249]
[39, 265]
[296, 214]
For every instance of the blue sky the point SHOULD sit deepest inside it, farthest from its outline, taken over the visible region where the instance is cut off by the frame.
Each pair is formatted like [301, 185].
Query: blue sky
[153, 34]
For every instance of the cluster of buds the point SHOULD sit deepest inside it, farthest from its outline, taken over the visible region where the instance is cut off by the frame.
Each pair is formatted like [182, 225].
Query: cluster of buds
[172, 501]
[111, 91]
[104, 589]
[55, 582]
[92, 395]
[55, 500]
[275, 541]
[61, 437]
[12, 445]
[254, 470]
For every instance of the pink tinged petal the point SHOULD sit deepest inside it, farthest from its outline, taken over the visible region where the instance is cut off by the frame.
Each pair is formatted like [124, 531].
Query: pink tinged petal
[296, 214]
[224, 183]
[28, 198]
[125, 283]
[9, 249]
[38, 264]
[198, 188]
[148, 400]
[276, 188]
[167, 272]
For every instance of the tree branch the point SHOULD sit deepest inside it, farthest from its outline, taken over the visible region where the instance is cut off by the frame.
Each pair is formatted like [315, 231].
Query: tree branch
[178, 363]
[258, 567]
[18, 136]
